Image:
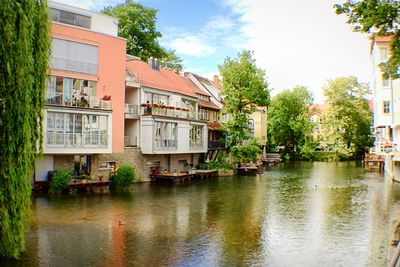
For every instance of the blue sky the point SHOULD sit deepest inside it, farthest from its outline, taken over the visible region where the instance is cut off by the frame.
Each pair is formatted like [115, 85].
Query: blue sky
[295, 42]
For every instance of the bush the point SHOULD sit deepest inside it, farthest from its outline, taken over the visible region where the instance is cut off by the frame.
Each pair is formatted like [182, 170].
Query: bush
[60, 181]
[123, 176]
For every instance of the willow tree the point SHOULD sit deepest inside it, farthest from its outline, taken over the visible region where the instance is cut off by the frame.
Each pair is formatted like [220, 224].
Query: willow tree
[244, 89]
[24, 50]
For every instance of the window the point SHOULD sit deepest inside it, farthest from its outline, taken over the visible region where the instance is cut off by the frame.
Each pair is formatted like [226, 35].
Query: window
[70, 92]
[384, 54]
[251, 124]
[153, 98]
[196, 136]
[71, 130]
[385, 83]
[386, 107]
[165, 135]
[70, 18]
[73, 56]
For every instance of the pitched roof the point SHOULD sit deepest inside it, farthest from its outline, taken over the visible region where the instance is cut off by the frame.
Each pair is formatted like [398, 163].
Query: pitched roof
[194, 88]
[166, 80]
[208, 104]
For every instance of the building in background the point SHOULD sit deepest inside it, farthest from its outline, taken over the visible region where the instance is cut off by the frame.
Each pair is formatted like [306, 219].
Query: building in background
[84, 99]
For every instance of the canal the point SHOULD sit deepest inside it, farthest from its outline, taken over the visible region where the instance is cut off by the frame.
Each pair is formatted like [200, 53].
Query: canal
[297, 214]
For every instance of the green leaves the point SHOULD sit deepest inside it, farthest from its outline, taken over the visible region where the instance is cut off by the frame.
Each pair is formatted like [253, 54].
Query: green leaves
[288, 118]
[137, 24]
[347, 123]
[377, 18]
[24, 50]
[244, 88]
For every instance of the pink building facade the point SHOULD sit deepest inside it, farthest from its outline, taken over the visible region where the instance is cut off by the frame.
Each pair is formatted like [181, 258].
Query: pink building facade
[85, 93]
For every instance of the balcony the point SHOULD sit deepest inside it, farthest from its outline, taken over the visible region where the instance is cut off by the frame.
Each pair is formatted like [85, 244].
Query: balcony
[73, 140]
[131, 111]
[384, 148]
[168, 111]
[165, 144]
[216, 144]
[130, 141]
[83, 102]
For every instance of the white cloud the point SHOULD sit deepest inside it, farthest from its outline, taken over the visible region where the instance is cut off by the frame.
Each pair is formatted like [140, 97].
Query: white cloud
[191, 45]
[301, 42]
[217, 34]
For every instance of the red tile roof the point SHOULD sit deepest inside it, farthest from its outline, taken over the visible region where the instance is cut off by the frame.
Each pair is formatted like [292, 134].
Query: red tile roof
[214, 126]
[194, 88]
[163, 80]
[208, 104]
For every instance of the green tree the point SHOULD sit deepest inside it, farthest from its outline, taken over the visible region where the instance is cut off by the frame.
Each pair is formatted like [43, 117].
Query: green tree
[24, 51]
[172, 61]
[377, 18]
[137, 24]
[244, 88]
[346, 127]
[289, 119]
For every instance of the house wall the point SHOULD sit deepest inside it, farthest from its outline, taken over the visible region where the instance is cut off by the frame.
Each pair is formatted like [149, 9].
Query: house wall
[111, 71]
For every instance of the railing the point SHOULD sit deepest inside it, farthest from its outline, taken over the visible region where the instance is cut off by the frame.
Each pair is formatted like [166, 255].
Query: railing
[215, 144]
[175, 112]
[385, 147]
[71, 140]
[73, 65]
[83, 102]
[194, 145]
[131, 109]
[165, 144]
[130, 141]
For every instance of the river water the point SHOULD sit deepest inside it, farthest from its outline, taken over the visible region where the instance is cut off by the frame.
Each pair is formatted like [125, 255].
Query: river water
[297, 214]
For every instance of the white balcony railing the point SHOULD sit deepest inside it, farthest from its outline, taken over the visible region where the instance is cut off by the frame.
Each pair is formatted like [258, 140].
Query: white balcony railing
[165, 144]
[169, 111]
[384, 147]
[73, 140]
[131, 110]
[130, 141]
[83, 102]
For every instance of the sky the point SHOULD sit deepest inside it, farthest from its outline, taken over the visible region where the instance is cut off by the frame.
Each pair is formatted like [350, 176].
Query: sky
[294, 42]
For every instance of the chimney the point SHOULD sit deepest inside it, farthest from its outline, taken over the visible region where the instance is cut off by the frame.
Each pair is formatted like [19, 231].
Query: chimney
[154, 63]
[217, 82]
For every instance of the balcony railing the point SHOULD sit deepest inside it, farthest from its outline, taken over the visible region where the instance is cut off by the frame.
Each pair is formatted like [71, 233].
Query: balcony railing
[131, 111]
[194, 145]
[83, 102]
[215, 144]
[74, 140]
[130, 141]
[169, 111]
[385, 147]
[165, 144]
[73, 65]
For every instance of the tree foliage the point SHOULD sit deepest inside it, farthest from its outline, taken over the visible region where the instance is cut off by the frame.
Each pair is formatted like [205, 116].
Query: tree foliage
[346, 128]
[289, 119]
[137, 24]
[60, 180]
[24, 50]
[377, 18]
[244, 88]
[124, 176]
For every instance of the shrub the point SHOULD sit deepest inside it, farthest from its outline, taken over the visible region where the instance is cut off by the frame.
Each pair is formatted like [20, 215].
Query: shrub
[60, 181]
[123, 176]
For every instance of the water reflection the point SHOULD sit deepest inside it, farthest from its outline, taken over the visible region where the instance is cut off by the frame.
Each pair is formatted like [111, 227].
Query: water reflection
[307, 214]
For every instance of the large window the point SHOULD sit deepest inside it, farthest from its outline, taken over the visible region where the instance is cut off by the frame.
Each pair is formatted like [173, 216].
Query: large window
[153, 98]
[76, 130]
[73, 56]
[70, 92]
[70, 18]
[165, 135]
[196, 136]
[385, 83]
[386, 107]
[384, 54]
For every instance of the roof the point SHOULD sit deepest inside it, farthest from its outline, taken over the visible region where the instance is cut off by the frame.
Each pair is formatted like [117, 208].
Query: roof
[194, 88]
[207, 104]
[319, 108]
[214, 126]
[380, 40]
[166, 80]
